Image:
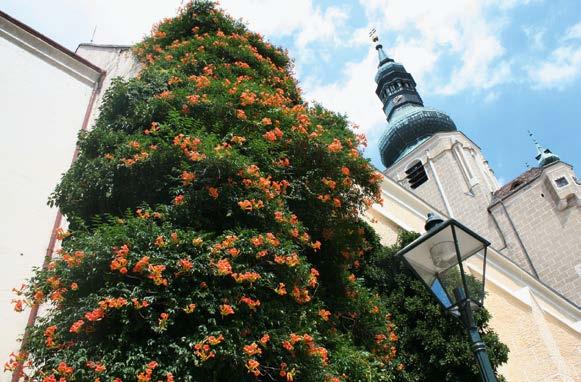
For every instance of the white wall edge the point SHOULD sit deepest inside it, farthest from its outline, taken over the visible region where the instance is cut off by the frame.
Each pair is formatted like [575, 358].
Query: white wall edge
[34, 44]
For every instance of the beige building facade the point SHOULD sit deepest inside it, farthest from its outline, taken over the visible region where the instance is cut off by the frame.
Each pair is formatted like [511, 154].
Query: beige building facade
[534, 220]
[533, 274]
[540, 327]
[540, 214]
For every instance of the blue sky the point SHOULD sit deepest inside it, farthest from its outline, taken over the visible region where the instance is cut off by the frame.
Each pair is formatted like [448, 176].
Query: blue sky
[497, 67]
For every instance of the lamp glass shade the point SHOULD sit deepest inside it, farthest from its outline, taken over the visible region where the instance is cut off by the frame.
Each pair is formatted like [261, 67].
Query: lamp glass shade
[438, 258]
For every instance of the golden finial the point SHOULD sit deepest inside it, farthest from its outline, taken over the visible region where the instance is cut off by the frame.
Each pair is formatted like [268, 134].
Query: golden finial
[373, 35]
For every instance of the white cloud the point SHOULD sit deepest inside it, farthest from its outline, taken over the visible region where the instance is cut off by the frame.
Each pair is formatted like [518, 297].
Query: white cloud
[563, 65]
[360, 36]
[428, 32]
[536, 36]
[312, 29]
[574, 33]
[456, 28]
[300, 18]
[491, 97]
[418, 59]
[508, 4]
[353, 95]
[559, 70]
[126, 22]
[71, 22]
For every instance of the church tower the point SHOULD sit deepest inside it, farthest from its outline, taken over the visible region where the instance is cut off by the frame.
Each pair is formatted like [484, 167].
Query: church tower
[424, 152]
[533, 220]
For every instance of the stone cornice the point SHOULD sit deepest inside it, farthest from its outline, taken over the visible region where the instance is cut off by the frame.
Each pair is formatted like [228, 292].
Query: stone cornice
[48, 50]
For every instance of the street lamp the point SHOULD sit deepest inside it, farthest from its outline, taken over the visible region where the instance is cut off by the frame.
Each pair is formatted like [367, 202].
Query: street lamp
[437, 258]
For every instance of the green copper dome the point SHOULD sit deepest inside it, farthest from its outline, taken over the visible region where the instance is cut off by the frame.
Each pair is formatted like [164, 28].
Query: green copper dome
[547, 157]
[408, 127]
[544, 156]
[409, 122]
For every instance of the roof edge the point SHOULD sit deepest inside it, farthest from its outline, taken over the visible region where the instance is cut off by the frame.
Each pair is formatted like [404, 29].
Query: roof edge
[50, 42]
[540, 170]
[103, 46]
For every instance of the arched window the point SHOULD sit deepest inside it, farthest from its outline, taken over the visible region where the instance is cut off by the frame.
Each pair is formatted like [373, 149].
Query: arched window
[416, 174]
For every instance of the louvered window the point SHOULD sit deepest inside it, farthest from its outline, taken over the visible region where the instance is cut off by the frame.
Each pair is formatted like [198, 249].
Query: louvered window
[416, 175]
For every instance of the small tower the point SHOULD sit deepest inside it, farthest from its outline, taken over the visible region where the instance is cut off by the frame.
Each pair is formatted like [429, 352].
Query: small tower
[539, 216]
[544, 156]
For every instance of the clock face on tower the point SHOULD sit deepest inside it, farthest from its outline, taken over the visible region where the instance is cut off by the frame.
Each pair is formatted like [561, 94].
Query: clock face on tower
[398, 99]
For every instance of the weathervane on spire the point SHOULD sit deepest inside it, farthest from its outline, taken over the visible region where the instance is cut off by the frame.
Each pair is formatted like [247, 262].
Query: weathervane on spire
[533, 138]
[373, 35]
[375, 38]
[539, 148]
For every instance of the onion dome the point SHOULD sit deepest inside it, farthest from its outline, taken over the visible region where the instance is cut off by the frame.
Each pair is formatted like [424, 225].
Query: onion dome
[409, 122]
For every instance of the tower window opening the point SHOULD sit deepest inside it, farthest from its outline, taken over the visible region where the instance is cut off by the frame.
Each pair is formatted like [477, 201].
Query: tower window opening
[416, 175]
[561, 182]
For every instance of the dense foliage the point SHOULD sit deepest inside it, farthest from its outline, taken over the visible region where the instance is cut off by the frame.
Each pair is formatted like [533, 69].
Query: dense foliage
[215, 230]
[433, 346]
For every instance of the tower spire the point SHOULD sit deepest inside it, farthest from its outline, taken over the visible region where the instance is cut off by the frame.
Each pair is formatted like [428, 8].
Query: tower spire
[544, 156]
[539, 147]
[409, 122]
[383, 58]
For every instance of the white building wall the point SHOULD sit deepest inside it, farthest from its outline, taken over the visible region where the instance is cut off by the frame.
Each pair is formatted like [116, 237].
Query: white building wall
[44, 94]
[43, 102]
[115, 60]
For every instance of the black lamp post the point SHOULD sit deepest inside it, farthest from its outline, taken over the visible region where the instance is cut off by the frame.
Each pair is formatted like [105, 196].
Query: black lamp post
[437, 259]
